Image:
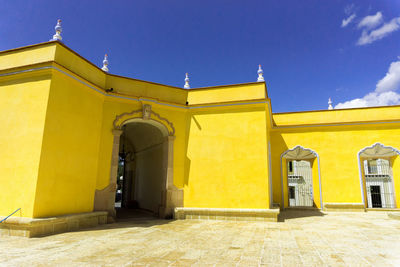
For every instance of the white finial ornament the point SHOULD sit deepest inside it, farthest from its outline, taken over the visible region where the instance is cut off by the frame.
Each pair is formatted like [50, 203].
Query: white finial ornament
[330, 104]
[260, 74]
[57, 36]
[105, 63]
[187, 86]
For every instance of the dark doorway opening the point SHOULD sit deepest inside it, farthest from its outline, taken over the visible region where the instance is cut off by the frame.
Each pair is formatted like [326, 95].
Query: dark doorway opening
[292, 194]
[376, 196]
[141, 171]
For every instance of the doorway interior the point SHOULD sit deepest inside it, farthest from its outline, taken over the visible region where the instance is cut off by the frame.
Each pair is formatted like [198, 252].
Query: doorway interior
[142, 169]
[299, 190]
[300, 183]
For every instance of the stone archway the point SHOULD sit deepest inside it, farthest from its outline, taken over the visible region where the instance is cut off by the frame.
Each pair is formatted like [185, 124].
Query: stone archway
[171, 195]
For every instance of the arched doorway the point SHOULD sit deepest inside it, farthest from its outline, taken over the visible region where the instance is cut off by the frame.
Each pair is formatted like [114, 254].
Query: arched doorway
[376, 175]
[142, 153]
[298, 167]
[141, 178]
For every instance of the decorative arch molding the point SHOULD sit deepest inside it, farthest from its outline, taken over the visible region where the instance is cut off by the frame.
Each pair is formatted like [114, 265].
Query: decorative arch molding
[378, 148]
[375, 147]
[146, 114]
[300, 152]
[296, 153]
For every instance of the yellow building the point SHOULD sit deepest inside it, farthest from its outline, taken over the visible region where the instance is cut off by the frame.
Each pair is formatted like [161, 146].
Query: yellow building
[74, 140]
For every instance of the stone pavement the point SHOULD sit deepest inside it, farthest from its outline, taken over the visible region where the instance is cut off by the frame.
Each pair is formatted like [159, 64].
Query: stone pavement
[302, 238]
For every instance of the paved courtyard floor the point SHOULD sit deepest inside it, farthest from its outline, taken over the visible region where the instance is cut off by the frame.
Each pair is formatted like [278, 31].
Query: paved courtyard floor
[300, 239]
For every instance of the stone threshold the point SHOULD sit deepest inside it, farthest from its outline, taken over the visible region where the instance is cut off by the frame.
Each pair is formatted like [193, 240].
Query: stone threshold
[35, 227]
[270, 215]
[381, 209]
[344, 207]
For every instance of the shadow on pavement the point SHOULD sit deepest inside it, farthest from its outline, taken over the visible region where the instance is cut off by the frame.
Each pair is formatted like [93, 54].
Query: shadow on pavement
[288, 214]
[130, 218]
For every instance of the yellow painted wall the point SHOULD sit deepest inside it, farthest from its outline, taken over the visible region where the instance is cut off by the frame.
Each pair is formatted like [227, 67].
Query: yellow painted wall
[337, 148]
[142, 89]
[232, 93]
[80, 66]
[227, 164]
[339, 116]
[23, 104]
[68, 165]
[27, 56]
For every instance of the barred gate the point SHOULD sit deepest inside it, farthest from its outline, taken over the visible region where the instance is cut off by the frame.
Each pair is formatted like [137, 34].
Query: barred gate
[379, 183]
[300, 184]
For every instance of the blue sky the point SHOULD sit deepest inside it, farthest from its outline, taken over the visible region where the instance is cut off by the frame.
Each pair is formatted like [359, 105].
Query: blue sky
[309, 50]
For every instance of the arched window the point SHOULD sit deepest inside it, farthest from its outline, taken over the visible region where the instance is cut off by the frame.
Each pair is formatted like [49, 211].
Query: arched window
[378, 175]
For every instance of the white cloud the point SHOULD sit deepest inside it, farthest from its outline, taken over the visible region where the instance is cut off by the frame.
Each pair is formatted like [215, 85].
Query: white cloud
[384, 93]
[372, 99]
[347, 21]
[391, 81]
[373, 26]
[384, 30]
[371, 21]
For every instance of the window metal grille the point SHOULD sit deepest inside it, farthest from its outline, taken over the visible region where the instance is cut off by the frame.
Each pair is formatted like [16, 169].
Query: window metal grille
[379, 184]
[300, 184]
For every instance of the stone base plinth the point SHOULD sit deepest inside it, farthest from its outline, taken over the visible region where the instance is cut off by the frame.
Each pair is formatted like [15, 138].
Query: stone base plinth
[300, 208]
[227, 214]
[28, 227]
[344, 207]
[381, 209]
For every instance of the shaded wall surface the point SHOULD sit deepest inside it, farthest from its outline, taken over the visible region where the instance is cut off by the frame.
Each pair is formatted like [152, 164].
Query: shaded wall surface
[69, 157]
[149, 178]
